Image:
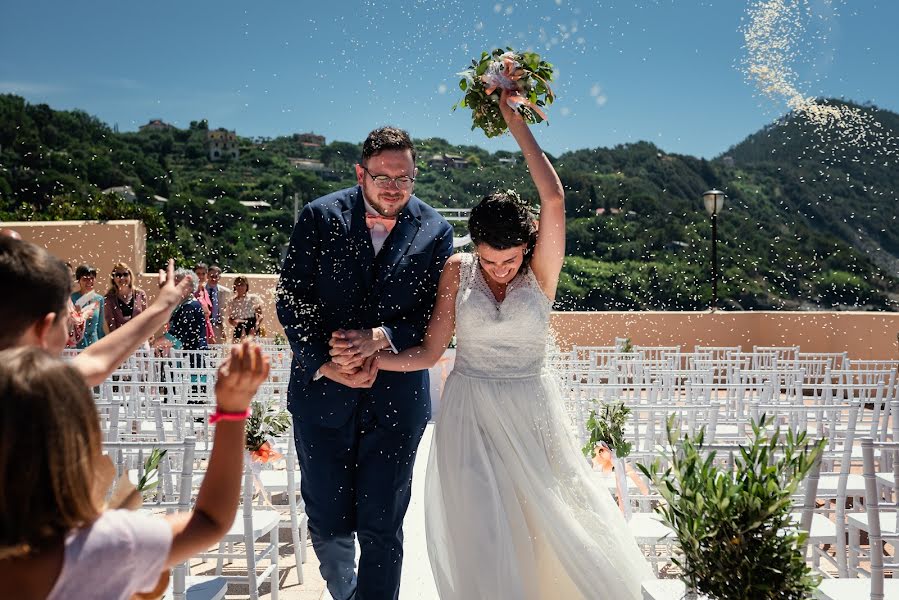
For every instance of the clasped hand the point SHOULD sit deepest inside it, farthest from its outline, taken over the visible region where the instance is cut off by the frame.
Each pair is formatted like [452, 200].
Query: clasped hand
[353, 356]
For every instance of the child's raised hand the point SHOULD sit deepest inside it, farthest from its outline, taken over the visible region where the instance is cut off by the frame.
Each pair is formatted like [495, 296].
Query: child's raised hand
[239, 376]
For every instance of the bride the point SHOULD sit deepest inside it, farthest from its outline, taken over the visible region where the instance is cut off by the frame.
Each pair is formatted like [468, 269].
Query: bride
[511, 508]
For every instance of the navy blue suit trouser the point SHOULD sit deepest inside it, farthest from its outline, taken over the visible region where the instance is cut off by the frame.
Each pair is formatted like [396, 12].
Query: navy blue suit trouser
[358, 478]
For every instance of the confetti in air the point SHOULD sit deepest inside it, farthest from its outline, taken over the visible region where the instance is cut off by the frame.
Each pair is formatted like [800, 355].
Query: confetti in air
[774, 39]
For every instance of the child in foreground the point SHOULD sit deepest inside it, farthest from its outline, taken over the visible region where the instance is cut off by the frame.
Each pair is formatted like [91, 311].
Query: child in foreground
[56, 541]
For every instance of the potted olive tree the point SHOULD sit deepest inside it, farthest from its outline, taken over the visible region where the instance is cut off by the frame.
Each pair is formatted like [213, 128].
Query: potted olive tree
[735, 537]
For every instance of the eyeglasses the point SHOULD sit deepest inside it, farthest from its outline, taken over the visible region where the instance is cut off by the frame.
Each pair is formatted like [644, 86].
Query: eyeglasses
[119, 275]
[213, 276]
[404, 182]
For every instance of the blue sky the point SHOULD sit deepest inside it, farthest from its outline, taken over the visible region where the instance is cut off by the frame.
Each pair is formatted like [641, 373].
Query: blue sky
[667, 71]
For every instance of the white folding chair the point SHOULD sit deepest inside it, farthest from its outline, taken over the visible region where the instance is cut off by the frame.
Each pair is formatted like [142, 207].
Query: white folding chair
[171, 491]
[250, 526]
[880, 522]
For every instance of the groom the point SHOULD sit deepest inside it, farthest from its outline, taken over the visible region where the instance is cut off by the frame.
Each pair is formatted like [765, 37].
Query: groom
[361, 276]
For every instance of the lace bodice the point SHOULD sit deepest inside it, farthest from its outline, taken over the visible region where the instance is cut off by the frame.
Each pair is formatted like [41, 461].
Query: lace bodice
[505, 339]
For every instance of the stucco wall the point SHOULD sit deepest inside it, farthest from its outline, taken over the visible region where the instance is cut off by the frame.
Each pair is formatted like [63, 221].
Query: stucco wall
[99, 243]
[862, 334]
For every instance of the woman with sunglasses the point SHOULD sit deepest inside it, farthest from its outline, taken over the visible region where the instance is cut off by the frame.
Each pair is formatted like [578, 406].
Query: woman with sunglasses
[123, 301]
[245, 311]
[89, 305]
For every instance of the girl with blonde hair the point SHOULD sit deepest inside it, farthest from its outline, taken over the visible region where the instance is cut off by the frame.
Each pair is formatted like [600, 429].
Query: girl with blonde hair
[56, 539]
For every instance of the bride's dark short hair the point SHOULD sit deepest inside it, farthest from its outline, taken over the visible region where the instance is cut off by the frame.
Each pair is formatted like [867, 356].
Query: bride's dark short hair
[503, 220]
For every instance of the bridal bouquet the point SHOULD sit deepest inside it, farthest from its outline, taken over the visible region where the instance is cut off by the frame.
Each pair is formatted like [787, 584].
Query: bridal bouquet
[264, 423]
[525, 74]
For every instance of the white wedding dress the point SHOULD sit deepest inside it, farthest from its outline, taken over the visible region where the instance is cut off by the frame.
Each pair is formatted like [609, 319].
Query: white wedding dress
[512, 509]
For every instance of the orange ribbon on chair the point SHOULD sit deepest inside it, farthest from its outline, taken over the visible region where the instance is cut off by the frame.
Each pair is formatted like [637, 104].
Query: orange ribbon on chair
[265, 454]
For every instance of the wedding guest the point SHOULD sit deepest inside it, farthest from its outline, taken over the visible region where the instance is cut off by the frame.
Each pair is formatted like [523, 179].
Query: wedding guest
[76, 319]
[36, 313]
[188, 323]
[219, 298]
[89, 304]
[123, 300]
[245, 310]
[202, 296]
[56, 539]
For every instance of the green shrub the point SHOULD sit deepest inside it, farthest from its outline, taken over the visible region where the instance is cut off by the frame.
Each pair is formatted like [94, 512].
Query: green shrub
[736, 540]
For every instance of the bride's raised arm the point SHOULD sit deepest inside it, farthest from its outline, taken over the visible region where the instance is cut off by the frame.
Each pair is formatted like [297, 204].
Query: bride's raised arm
[440, 328]
[549, 252]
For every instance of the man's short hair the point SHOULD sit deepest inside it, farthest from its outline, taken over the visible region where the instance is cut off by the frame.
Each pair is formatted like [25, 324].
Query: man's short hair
[386, 138]
[36, 284]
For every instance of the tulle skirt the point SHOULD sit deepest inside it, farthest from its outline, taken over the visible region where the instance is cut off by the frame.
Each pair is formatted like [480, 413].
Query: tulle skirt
[512, 509]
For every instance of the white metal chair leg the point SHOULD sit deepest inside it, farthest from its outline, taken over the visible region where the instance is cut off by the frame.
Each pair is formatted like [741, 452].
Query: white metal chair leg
[276, 572]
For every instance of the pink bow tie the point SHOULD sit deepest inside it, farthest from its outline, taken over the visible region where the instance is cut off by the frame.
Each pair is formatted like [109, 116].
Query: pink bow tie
[372, 220]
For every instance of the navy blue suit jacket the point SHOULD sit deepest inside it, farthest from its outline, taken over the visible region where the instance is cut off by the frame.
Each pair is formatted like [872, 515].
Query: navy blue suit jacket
[331, 279]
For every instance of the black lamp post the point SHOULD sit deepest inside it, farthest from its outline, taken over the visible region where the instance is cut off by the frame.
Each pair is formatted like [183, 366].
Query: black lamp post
[714, 202]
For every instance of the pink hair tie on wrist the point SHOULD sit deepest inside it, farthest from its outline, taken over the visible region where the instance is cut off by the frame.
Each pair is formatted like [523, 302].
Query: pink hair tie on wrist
[220, 415]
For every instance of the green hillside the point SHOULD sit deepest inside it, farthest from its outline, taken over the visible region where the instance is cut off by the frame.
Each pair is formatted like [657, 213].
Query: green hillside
[802, 227]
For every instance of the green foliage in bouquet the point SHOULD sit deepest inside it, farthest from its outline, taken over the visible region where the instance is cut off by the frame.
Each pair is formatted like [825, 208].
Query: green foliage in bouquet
[265, 422]
[531, 78]
[608, 426]
[736, 540]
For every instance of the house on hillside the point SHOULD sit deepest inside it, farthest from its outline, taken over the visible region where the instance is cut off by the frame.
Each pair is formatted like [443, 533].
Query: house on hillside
[310, 140]
[612, 211]
[220, 143]
[127, 194]
[509, 161]
[156, 125]
[255, 204]
[448, 161]
[306, 164]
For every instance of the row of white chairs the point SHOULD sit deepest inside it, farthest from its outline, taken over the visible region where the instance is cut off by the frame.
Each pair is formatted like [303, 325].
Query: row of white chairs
[851, 404]
[832, 397]
[155, 402]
